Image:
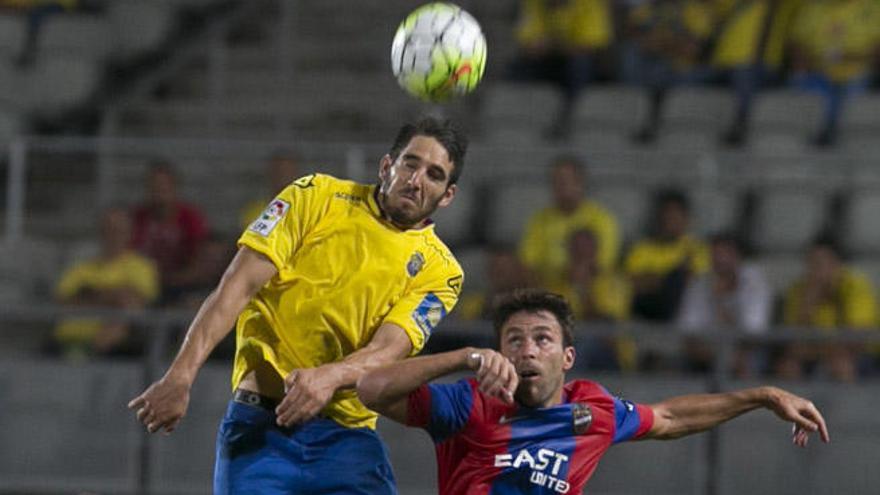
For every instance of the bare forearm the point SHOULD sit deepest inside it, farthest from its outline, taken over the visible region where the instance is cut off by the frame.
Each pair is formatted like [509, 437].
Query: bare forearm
[216, 317]
[394, 383]
[680, 416]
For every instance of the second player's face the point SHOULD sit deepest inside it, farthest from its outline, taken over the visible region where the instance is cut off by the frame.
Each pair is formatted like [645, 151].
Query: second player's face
[417, 183]
[533, 343]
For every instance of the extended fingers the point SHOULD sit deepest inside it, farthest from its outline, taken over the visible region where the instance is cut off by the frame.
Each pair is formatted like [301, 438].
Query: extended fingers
[816, 417]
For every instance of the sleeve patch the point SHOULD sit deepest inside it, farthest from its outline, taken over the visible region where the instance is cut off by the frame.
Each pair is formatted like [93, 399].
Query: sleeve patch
[428, 314]
[270, 217]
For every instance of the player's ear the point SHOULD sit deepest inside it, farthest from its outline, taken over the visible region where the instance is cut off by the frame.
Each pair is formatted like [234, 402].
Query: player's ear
[385, 167]
[448, 196]
[568, 356]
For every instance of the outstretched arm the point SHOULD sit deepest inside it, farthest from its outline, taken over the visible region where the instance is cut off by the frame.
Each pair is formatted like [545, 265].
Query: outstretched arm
[386, 389]
[680, 416]
[164, 403]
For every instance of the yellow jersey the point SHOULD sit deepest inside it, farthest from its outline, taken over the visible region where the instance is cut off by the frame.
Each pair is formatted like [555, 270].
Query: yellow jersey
[129, 270]
[853, 304]
[343, 271]
[544, 246]
[740, 36]
[841, 36]
[579, 24]
[654, 257]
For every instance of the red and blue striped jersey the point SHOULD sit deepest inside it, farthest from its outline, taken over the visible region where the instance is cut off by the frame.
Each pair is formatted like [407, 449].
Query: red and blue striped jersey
[485, 446]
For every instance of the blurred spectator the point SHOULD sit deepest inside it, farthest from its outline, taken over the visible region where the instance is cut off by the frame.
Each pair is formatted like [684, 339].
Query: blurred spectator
[543, 247]
[667, 42]
[559, 41]
[834, 43]
[829, 295]
[748, 51]
[735, 294]
[117, 278]
[171, 232]
[282, 169]
[504, 272]
[661, 265]
[596, 294]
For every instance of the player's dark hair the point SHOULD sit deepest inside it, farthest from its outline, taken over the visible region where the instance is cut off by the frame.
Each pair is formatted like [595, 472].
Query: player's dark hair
[532, 301]
[446, 132]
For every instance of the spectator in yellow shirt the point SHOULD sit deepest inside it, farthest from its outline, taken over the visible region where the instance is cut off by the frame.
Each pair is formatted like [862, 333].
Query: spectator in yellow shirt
[597, 294]
[748, 51]
[117, 278]
[829, 295]
[661, 265]
[833, 45]
[282, 169]
[543, 246]
[559, 41]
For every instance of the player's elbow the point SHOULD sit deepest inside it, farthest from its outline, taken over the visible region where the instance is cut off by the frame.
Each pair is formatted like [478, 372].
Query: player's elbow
[370, 390]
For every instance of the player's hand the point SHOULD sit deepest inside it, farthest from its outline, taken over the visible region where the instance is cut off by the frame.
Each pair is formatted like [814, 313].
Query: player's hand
[307, 392]
[803, 413]
[495, 373]
[162, 405]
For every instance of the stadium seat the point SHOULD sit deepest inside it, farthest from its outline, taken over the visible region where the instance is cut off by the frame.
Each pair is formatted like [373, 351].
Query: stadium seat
[10, 125]
[862, 235]
[786, 111]
[512, 206]
[59, 83]
[139, 27]
[698, 108]
[714, 210]
[628, 204]
[611, 107]
[454, 223]
[528, 108]
[781, 270]
[473, 261]
[860, 115]
[12, 34]
[85, 36]
[788, 219]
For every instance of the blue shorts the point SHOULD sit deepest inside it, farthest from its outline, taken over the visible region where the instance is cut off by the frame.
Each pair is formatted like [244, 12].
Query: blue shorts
[254, 455]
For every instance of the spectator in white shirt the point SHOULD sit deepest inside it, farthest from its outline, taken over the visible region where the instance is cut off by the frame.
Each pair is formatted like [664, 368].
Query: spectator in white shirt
[734, 295]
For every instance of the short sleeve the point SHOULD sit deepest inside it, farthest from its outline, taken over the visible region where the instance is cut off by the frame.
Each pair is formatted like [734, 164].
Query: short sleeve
[631, 420]
[279, 230]
[441, 409]
[422, 308]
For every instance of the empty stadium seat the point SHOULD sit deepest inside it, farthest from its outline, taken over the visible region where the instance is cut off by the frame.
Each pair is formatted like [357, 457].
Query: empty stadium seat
[628, 204]
[863, 213]
[138, 27]
[84, 36]
[58, 83]
[11, 124]
[473, 261]
[698, 108]
[786, 111]
[454, 223]
[528, 108]
[781, 270]
[611, 107]
[787, 220]
[511, 207]
[12, 34]
[861, 114]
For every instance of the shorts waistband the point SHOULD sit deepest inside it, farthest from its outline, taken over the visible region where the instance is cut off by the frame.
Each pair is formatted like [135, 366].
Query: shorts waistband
[254, 399]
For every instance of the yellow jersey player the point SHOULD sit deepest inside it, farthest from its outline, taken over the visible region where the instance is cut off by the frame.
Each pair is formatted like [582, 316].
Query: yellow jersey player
[335, 278]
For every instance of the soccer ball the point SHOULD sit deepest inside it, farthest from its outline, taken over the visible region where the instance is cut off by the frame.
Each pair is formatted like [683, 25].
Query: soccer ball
[438, 52]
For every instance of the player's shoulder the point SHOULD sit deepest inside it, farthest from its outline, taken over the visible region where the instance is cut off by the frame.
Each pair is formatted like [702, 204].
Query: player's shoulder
[588, 391]
[439, 250]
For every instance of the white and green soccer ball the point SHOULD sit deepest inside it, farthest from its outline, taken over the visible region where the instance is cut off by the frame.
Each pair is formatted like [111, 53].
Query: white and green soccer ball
[439, 52]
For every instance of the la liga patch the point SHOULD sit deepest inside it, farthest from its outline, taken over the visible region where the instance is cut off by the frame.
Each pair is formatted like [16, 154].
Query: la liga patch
[428, 314]
[270, 217]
